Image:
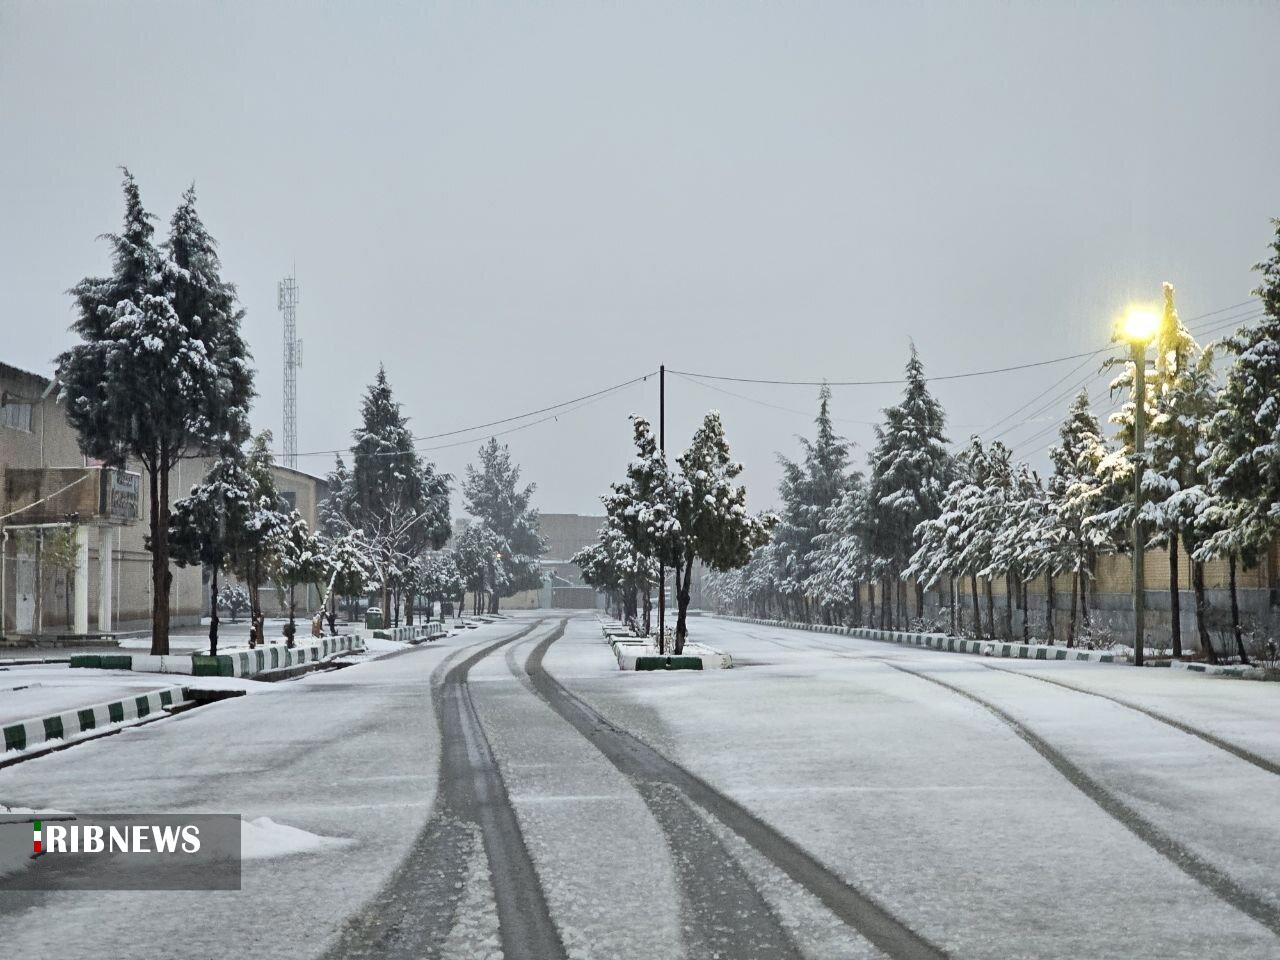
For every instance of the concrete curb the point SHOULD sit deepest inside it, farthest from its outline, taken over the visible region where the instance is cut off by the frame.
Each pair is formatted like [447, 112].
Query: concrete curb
[1240, 672]
[418, 633]
[943, 642]
[29, 734]
[638, 653]
[237, 663]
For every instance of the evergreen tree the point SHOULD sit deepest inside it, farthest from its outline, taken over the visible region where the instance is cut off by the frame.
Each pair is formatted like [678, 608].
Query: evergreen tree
[841, 562]
[297, 558]
[251, 553]
[208, 525]
[808, 489]
[910, 472]
[493, 495]
[1243, 445]
[711, 513]
[160, 373]
[1077, 493]
[1185, 400]
[399, 503]
[336, 512]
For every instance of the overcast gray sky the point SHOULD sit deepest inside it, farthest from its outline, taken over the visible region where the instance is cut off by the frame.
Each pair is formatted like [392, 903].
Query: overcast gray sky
[514, 204]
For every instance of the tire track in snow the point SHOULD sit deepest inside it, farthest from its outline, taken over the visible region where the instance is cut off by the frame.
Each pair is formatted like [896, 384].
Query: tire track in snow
[724, 915]
[418, 907]
[662, 780]
[1247, 756]
[1198, 869]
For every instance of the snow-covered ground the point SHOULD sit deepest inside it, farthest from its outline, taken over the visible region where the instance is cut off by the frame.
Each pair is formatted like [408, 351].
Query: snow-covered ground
[346, 755]
[876, 759]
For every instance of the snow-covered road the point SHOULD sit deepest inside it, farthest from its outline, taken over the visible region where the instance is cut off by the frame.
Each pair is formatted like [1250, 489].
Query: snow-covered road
[827, 798]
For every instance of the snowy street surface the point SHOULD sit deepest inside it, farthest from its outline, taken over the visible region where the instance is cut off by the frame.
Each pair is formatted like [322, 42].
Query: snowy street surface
[827, 798]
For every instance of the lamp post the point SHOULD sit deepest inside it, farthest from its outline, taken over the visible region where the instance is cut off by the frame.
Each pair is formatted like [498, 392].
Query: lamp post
[1139, 327]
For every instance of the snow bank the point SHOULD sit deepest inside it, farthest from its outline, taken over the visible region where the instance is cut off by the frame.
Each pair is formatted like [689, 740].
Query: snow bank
[263, 838]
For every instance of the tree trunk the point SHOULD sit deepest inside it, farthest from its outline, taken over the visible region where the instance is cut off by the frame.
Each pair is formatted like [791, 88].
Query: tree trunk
[1175, 604]
[1075, 604]
[682, 601]
[919, 599]
[160, 576]
[1008, 605]
[409, 599]
[1084, 596]
[213, 612]
[1235, 608]
[332, 612]
[648, 611]
[977, 615]
[1026, 614]
[951, 602]
[871, 603]
[1202, 611]
[1050, 597]
[991, 608]
[290, 628]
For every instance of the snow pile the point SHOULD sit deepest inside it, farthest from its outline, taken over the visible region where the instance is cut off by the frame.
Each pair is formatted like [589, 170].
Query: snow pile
[263, 839]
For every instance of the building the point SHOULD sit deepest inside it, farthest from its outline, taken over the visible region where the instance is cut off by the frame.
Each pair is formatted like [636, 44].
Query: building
[73, 556]
[565, 534]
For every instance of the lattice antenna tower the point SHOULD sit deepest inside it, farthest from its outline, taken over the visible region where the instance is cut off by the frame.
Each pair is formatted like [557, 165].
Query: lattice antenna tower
[287, 302]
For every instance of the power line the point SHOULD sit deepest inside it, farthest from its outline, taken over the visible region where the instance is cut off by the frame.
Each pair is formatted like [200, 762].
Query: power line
[950, 376]
[596, 395]
[1218, 325]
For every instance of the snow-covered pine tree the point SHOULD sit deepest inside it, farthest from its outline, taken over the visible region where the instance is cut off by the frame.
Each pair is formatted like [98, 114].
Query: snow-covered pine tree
[641, 505]
[910, 469]
[808, 489]
[1184, 391]
[206, 526]
[251, 551]
[400, 503]
[160, 373]
[1076, 493]
[493, 495]
[841, 561]
[711, 511]
[297, 558]
[336, 511]
[1243, 461]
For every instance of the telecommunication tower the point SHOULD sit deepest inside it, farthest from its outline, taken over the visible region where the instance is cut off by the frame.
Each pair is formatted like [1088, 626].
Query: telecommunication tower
[287, 302]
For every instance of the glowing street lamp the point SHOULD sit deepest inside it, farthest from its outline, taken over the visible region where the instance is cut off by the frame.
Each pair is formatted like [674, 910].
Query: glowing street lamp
[1139, 327]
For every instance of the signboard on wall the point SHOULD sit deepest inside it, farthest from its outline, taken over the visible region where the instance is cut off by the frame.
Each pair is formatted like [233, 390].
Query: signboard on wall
[121, 495]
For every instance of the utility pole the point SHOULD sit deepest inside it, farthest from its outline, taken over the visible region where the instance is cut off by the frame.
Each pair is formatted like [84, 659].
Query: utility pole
[1139, 546]
[662, 570]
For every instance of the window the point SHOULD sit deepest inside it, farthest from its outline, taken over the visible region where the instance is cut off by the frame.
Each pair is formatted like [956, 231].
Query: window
[16, 416]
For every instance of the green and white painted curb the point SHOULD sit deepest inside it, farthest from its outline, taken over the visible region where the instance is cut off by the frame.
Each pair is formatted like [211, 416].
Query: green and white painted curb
[71, 724]
[1221, 670]
[414, 634]
[941, 641]
[234, 663]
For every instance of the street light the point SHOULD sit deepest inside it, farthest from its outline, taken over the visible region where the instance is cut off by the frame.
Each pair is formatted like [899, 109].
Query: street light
[1139, 327]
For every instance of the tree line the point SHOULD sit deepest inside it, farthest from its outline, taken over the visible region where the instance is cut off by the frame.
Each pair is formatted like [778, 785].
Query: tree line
[672, 515]
[161, 373]
[862, 548]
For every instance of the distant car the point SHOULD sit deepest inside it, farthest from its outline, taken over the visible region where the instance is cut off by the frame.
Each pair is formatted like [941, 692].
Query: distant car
[376, 611]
